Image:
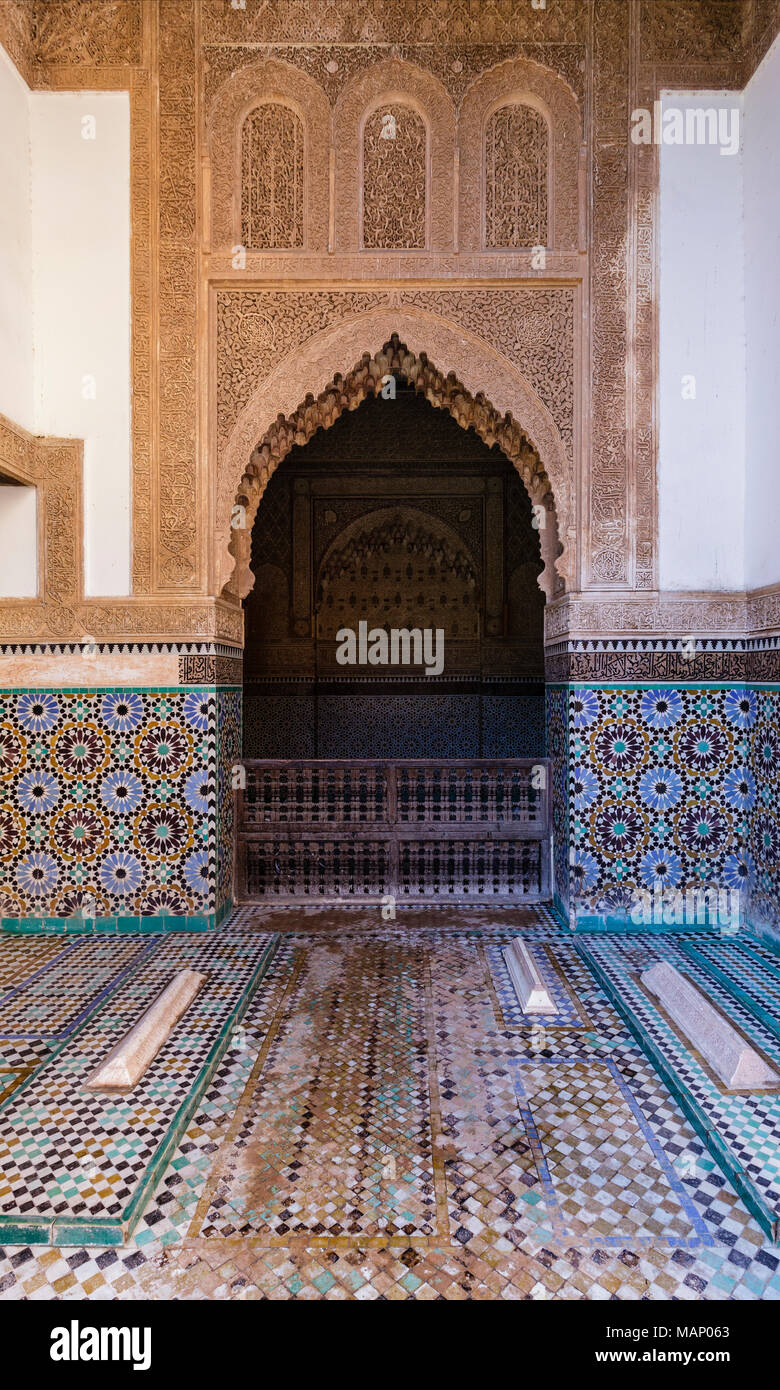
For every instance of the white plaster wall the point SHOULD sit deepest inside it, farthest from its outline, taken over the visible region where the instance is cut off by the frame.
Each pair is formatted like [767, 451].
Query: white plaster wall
[81, 308]
[701, 494]
[16, 323]
[18, 542]
[762, 321]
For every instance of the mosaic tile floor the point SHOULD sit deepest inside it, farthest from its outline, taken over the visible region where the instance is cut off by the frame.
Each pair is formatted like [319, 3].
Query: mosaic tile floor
[385, 1123]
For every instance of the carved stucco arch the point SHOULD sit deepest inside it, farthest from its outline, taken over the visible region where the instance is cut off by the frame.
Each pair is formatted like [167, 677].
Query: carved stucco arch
[268, 81]
[394, 80]
[529, 84]
[482, 389]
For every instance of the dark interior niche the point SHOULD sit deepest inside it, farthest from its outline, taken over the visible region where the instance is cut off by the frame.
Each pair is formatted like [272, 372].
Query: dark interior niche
[397, 517]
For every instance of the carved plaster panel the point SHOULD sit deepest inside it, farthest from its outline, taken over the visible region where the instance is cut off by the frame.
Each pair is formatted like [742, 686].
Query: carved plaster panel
[394, 183]
[383, 87]
[179, 490]
[689, 31]
[267, 80]
[533, 328]
[16, 35]
[517, 211]
[524, 84]
[79, 31]
[272, 182]
[607, 483]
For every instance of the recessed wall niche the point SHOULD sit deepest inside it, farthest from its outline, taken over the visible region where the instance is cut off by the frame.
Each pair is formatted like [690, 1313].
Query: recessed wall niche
[385, 518]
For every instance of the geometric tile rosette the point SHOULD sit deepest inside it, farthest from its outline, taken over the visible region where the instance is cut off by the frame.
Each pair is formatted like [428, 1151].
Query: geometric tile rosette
[107, 802]
[661, 791]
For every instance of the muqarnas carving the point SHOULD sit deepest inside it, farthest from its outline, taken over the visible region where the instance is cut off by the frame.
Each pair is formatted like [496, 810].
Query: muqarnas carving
[272, 188]
[394, 179]
[516, 157]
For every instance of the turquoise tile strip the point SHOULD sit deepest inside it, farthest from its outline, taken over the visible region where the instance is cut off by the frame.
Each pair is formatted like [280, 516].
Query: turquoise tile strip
[694, 1112]
[80, 926]
[20, 1122]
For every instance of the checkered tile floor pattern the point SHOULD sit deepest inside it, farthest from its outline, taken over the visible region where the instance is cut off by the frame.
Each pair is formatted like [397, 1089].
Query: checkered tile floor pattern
[748, 1125]
[68, 1153]
[379, 1127]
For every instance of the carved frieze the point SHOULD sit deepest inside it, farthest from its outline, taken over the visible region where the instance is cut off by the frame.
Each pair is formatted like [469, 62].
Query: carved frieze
[457, 22]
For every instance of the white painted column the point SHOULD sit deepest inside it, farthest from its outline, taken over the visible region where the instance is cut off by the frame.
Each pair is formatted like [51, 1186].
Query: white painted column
[702, 350]
[81, 307]
[762, 321]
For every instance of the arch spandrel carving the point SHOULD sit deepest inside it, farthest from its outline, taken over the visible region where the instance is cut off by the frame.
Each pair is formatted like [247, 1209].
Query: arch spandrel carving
[395, 82]
[266, 82]
[283, 413]
[519, 82]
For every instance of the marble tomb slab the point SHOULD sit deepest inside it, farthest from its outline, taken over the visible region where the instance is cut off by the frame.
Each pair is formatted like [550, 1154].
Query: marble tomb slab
[528, 984]
[737, 1065]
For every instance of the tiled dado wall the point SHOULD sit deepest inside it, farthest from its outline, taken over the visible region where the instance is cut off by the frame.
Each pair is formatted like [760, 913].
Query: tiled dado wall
[117, 805]
[672, 783]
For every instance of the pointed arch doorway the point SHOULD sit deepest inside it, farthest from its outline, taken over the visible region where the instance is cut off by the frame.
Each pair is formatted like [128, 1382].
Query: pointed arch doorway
[394, 670]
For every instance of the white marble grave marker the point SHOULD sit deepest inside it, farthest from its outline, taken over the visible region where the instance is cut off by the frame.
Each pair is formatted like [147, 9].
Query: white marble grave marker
[737, 1065]
[126, 1063]
[529, 985]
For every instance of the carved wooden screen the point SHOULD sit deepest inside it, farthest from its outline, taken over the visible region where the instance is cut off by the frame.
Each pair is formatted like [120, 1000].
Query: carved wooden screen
[394, 179]
[471, 831]
[272, 174]
[516, 155]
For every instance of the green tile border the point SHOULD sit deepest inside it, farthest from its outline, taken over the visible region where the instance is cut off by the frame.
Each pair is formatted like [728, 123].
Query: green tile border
[139, 926]
[17, 1230]
[766, 1217]
[735, 990]
[594, 924]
